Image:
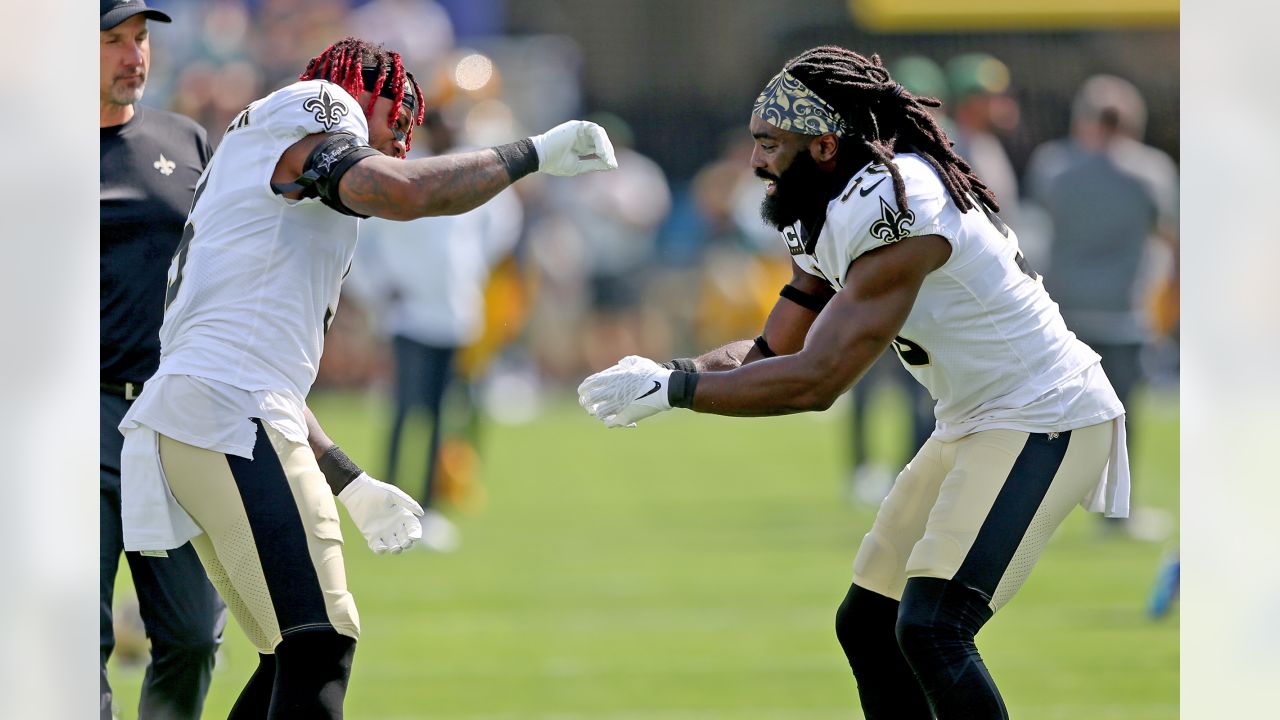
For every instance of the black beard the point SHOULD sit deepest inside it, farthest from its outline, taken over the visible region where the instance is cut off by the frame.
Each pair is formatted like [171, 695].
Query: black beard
[800, 192]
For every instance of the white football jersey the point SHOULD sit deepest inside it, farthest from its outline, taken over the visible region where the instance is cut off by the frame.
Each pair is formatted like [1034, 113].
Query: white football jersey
[983, 336]
[255, 282]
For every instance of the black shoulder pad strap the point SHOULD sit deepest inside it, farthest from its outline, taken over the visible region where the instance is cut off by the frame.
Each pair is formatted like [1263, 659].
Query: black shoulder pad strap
[804, 299]
[325, 166]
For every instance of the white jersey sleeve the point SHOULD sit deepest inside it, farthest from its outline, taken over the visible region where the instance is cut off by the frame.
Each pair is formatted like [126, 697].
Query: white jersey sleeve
[308, 107]
[866, 215]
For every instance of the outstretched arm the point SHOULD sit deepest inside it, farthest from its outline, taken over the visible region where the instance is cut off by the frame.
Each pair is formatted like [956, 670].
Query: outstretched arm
[845, 339]
[350, 176]
[383, 186]
[849, 335]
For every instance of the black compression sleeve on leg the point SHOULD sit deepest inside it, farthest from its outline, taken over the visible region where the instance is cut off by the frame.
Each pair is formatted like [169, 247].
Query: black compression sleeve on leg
[519, 157]
[255, 698]
[887, 688]
[312, 670]
[339, 470]
[936, 625]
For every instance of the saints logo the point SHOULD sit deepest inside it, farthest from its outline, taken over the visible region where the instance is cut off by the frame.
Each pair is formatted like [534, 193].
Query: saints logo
[326, 110]
[892, 225]
[164, 165]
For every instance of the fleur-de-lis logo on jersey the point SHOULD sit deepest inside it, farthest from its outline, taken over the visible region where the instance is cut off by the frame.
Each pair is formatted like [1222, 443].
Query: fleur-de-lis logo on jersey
[892, 225]
[164, 165]
[326, 110]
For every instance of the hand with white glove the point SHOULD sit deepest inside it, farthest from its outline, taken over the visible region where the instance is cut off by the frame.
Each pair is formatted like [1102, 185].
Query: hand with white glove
[574, 148]
[385, 515]
[628, 392]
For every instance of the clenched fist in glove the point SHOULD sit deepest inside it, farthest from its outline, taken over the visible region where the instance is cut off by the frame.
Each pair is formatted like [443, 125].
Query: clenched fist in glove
[626, 393]
[386, 516]
[574, 148]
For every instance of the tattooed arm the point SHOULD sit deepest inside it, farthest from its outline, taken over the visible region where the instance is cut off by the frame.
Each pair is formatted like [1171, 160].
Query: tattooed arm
[385, 187]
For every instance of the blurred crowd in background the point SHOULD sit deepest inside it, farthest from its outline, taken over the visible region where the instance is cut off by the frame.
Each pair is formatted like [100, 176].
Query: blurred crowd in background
[1076, 130]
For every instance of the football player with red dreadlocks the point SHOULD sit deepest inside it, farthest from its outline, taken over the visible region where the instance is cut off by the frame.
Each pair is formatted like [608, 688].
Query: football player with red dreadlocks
[220, 448]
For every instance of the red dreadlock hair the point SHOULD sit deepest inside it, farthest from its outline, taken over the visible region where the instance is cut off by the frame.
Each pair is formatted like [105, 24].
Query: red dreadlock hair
[343, 63]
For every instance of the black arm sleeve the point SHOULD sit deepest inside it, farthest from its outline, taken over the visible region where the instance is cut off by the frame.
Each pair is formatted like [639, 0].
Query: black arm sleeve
[324, 168]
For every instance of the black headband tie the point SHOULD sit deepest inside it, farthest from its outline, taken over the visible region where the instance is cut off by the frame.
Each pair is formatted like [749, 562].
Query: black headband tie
[369, 73]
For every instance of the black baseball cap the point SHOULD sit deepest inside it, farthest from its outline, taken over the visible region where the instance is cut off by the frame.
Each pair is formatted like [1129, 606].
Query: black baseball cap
[115, 12]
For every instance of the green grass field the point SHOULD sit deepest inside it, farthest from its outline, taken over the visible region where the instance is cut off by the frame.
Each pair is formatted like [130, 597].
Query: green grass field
[690, 569]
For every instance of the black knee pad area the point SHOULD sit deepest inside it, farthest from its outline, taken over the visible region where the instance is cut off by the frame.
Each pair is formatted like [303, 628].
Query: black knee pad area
[935, 615]
[864, 625]
[312, 669]
[937, 622]
[887, 687]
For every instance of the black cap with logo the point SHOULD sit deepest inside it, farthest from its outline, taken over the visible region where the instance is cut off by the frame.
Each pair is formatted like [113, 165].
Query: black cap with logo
[115, 12]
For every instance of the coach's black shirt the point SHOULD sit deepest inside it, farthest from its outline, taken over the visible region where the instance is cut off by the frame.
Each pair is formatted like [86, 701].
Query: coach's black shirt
[147, 176]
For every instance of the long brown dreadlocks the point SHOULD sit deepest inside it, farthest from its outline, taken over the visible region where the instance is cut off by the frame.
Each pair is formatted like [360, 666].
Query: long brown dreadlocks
[346, 63]
[884, 118]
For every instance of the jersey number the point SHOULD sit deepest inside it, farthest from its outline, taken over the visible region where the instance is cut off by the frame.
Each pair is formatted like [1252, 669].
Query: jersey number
[911, 353]
[188, 232]
[179, 261]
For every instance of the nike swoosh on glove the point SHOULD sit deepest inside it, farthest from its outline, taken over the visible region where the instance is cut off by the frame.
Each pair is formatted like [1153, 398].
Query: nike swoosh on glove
[385, 515]
[574, 148]
[630, 391]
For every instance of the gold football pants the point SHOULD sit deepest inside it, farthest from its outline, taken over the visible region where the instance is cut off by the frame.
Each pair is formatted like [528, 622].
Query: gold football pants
[979, 510]
[272, 544]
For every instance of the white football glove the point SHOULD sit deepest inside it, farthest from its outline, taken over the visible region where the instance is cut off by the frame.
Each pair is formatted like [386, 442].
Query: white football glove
[632, 390]
[574, 148]
[385, 515]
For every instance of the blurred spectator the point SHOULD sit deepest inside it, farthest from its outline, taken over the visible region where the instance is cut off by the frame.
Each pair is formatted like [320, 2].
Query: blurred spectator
[618, 215]
[1108, 195]
[981, 107]
[425, 281]
[289, 32]
[744, 262]
[924, 77]
[421, 29]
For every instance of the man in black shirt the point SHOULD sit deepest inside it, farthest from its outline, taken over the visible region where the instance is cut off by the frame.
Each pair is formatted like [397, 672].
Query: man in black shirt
[150, 161]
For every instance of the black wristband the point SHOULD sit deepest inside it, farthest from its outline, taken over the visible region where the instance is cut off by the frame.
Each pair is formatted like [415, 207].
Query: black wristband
[763, 346]
[519, 157]
[685, 364]
[339, 470]
[680, 388]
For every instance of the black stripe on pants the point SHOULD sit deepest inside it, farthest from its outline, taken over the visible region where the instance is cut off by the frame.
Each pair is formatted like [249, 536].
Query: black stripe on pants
[1011, 513]
[280, 536]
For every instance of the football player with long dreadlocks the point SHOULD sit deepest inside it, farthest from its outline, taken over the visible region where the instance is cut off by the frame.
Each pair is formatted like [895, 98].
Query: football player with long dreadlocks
[896, 243]
[220, 448]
